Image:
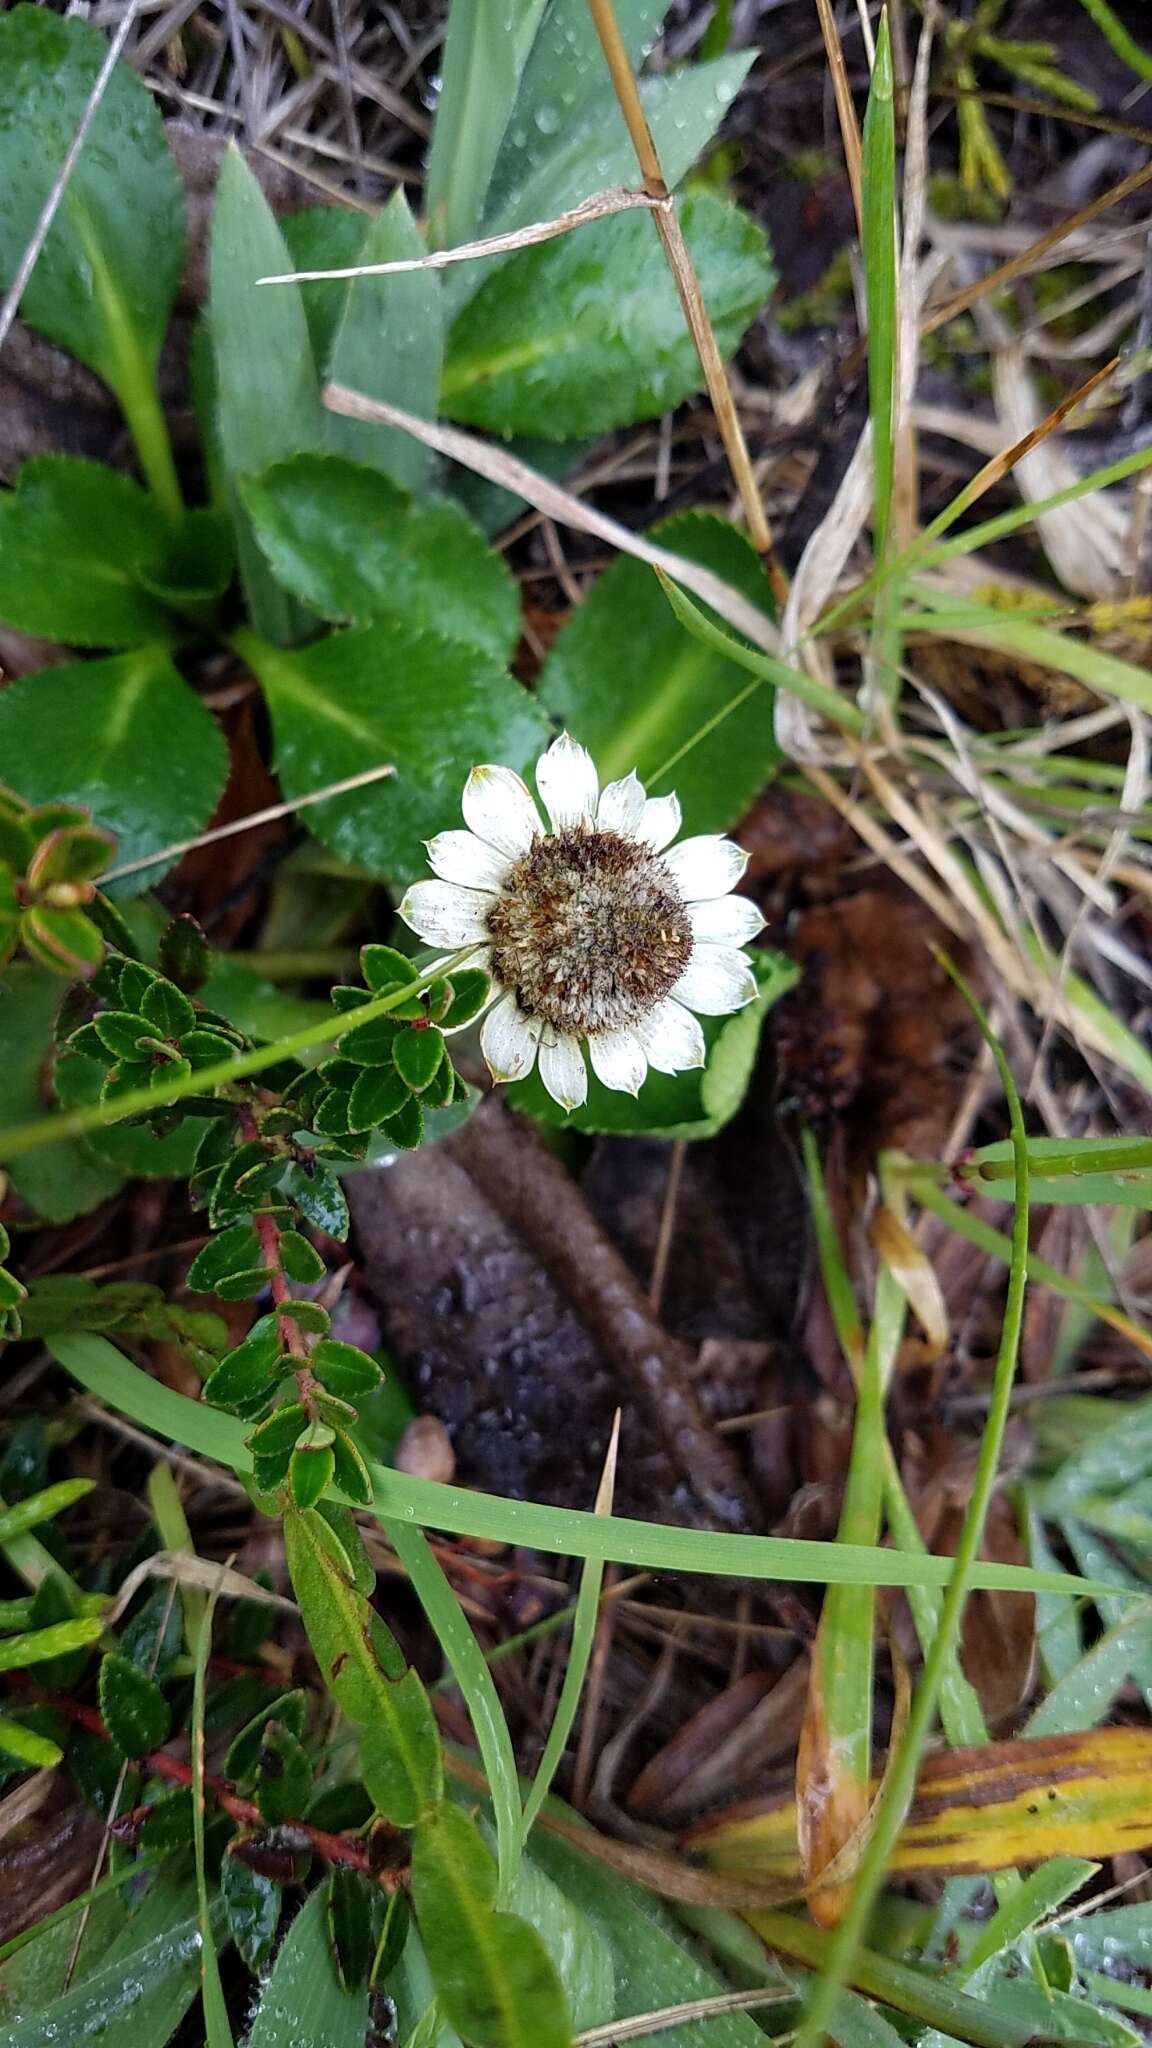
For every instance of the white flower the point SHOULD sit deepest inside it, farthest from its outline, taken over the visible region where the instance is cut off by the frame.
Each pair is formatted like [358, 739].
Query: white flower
[599, 929]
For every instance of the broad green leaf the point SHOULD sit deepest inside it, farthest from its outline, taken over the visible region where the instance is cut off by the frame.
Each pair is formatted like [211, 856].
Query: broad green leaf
[400, 1748]
[74, 536]
[322, 238]
[267, 399]
[432, 707]
[304, 2000]
[484, 54]
[350, 543]
[389, 344]
[67, 1179]
[144, 1980]
[493, 1975]
[586, 333]
[695, 1104]
[655, 1962]
[566, 88]
[106, 278]
[626, 678]
[134, 1710]
[124, 736]
[684, 111]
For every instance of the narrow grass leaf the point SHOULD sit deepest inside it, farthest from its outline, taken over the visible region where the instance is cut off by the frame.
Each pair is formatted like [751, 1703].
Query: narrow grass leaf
[106, 1372]
[484, 54]
[471, 1671]
[218, 2030]
[580, 1650]
[880, 275]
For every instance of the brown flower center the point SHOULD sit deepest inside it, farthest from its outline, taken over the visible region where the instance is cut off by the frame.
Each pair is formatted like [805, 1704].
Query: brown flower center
[589, 931]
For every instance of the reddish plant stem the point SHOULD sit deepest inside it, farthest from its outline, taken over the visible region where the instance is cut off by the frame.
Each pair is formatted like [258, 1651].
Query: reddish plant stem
[268, 1231]
[158, 1764]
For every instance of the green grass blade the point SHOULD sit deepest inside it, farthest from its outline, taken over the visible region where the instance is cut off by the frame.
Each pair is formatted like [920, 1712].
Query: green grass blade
[900, 1781]
[218, 2031]
[401, 1496]
[879, 252]
[765, 667]
[472, 1674]
[485, 51]
[579, 1654]
[1125, 46]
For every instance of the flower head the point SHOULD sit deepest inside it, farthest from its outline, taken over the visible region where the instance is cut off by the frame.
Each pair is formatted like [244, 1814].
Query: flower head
[598, 930]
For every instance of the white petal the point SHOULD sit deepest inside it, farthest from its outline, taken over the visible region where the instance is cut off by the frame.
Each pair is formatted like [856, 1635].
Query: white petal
[672, 1038]
[708, 866]
[563, 1072]
[446, 915]
[726, 920]
[461, 857]
[621, 804]
[567, 781]
[659, 822]
[717, 979]
[508, 1041]
[499, 808]
[618, 1060]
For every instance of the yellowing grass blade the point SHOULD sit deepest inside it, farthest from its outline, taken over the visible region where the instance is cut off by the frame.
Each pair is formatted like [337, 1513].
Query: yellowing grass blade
[978, 1810]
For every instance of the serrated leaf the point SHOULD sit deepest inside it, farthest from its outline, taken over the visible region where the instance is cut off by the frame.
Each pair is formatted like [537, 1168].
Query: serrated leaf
[232, 1251]
[267, 398]
[350, 1473]
[95, 731]
[105, 281]
[300, 1259]
[283, 1783]
[400, 1750]
[470, 991]
[252, 1908]
[64, 940]
[642, 693]
[586, 333]
[382, 966]
[132, 1707]
[429, 706]
[167, 1009]
[493, 1975]
[310, 1472]
[319, 1198]
[279, 1433]
[353, 547]
[345, 1369]
[71, 853]
[121, 1031]
[389, 343]
[406, 1128]
[350, 1913]
[417, 1055]
[304, 2000]
[184, 955]
[73, 535]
